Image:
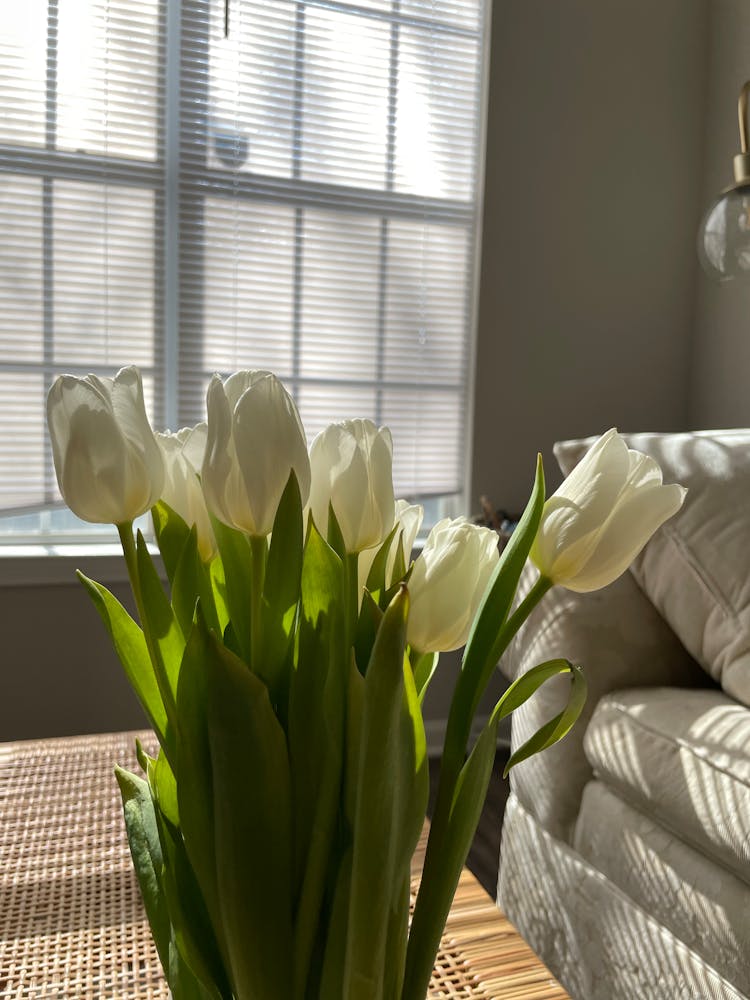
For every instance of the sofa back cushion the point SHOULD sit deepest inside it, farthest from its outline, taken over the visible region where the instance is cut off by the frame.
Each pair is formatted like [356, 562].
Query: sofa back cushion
[696, 568]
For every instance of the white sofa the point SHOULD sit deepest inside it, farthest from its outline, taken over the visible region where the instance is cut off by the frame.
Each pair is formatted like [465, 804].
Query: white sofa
[625, 857]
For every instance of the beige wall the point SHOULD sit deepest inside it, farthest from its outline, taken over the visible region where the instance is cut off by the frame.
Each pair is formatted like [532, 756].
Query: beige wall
[593, 194]
[59, 673]
[592, 200]
[720, 385]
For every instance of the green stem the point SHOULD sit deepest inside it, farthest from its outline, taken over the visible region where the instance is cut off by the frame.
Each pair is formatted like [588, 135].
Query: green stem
[351, 597]
[125, 531]
[470, 687]
[424, 936]
[259, 550]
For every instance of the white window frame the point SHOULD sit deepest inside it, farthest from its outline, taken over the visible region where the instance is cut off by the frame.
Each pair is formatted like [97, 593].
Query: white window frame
[26, 559]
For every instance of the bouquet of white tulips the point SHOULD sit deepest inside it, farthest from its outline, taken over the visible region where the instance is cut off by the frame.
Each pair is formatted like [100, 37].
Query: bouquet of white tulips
[283, 671]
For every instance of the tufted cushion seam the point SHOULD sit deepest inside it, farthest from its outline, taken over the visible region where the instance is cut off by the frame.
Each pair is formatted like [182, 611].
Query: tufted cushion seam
[623, 791]
[706, 581]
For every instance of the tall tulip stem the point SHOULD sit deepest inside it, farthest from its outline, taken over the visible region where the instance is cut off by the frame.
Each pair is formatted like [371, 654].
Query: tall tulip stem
[469, 689]
[259, 550]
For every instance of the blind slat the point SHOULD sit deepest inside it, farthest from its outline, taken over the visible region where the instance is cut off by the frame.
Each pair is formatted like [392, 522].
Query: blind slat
[324, 185]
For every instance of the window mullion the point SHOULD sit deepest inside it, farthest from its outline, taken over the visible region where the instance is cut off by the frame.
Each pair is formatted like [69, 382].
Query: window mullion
[48, 319]
[171, 212]
[390, 158]
[193, 157]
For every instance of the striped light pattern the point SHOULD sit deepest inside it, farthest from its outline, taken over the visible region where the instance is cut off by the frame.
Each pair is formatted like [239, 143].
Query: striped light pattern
[301, 194]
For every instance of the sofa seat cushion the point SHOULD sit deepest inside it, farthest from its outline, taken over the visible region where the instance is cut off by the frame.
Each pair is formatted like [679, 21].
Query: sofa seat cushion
[695, 569]
[698, 900]
[682, 756]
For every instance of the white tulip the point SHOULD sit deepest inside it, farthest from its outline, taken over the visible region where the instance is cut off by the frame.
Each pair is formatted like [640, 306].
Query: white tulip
[183, 455]
[409, 518]
[351, 464]
[597, 522]
[109, 466]
[255, 439]
[447, 584]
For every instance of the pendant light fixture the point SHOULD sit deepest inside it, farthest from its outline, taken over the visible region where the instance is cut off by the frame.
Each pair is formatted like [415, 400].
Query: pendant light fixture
[724, 234]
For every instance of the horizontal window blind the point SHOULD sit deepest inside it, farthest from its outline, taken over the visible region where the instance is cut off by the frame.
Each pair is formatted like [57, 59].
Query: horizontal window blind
[200, 187]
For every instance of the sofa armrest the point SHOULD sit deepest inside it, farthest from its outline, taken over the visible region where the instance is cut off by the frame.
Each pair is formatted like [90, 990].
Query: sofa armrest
[620, 640]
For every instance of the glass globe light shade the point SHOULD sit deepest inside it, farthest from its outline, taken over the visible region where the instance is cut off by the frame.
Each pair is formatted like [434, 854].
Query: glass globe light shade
[724, 235]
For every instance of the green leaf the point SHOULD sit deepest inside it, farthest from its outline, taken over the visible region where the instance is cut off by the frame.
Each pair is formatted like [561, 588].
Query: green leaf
[322, 580]
[442, 871]
[182, 983]
[424, 671]
[316, 737]
[398, 936]
[281, 591]
[376, 581]
[192, 931]
[166, 639]
[332, 980]
[527, 684]
[195, 791]
[490, 633]
[554, 730]
[219, 589]
[130, 646]
[390, 802]
[485, 643]
[400, 562]
[164, 790]
[192, 581]
[334, 536]
[195, 934]
[171, 533]
[148, 861]
[252, 826]
[355, 708]
[236, 558]
[368, 623]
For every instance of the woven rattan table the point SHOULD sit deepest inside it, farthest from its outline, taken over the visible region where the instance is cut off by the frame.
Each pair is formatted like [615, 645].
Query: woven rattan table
[72, 926]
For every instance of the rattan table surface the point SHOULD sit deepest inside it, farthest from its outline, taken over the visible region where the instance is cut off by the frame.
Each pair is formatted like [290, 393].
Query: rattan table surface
[72, 925]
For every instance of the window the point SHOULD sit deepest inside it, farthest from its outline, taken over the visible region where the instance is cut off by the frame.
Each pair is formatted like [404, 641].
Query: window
[298, 193]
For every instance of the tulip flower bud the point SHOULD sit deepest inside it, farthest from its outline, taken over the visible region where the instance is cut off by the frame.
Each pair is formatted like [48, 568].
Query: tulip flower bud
[183, 456]
[351, 465]
[109, 466]
[408, 517]
[255, 439]
[447, 584]
[597, 522]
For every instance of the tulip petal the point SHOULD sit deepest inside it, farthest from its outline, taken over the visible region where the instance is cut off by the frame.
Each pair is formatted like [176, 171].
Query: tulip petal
[351, 468]
[129, 408]
[193, 441]
[108, 464]
[219, 455]
[575, 512]
[609, 455]
[583, 501]
[644, 472]
[625, 533]
[93, 468]
[270, 442]
[447, 584]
